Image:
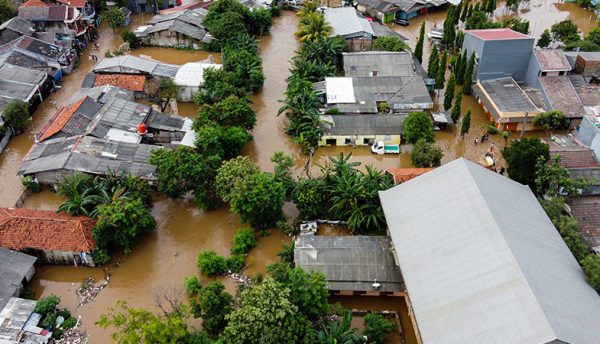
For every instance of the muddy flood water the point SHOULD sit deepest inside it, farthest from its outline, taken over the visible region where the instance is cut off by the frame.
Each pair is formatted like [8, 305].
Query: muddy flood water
[162, 259]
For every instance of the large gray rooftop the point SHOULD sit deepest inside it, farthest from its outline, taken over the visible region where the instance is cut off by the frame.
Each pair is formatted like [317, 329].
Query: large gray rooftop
[20, 74]
[362, 124]
[507, 95]
[482, 262]
[350, 262]
[383, 63]
[14, 268]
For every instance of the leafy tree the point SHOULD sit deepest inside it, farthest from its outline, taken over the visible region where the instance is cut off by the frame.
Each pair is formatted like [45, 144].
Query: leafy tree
[259, 21]
[591, 267]
[432, 65]
[142, 326]
[377, 328]
[258, 199]
[230, 173]
[491, 6]
[226, 25]
[218, 84]
[114, 17]
[553, 180]
[418, 126]
[426, 154]
[243, 41]
[47, 304]
[390, 43]
[440, 78]
[565, 31]
[213, 305]
[266, 316]
[167, 90]
[522, 158]
[468, 81]
[211, 264]
[81, 204]
[16, 115]
[131, 38]
[466, 124]
[246, 68]
[479, 20]
[7, 11]
[282, 172]
[519, 25]
[192, 285]
[243, 241]
[419, 47]
[545, 39]
[220, 142]
[594, 36]
[310, 197]
[308, 290]
[461, 68]
[235, 263]
[456, 109]
[121, 222]
[551, 120]
[569, 230]
[311, 70]
[582, 46]
[220, 7]
[231, 111]
[449, 95]
[313, 26]
[286, 254]
[339, 332]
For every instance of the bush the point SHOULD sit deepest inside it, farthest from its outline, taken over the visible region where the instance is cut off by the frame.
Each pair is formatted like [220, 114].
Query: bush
[100, 257]
[285, 228]
[57, 333]
[192, 285]
[210, 263]
[287, 253]
[65, 313]
[16, 115]
[49, 320]
[591, 267]
[130, 38]
[377, 328]
[426, 154]
[69, 323]
[47, 304]
[235, 263]
[243, 241]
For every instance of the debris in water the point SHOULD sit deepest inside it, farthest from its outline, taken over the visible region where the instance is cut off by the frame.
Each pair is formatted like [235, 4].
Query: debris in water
[73, 335]
[88, 290]
[240, 278]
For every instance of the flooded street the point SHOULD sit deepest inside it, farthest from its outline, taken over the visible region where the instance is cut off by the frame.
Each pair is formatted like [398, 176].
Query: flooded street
[162, 259]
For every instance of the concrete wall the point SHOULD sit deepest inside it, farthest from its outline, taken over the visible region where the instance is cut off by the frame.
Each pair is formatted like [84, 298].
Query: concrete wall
[533, 73]
[168, 38]
[52, 177]
[358, 140]
[67, 258]
[589, 135]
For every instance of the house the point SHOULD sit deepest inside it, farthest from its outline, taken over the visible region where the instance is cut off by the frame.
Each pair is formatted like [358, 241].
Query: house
[15, 28]
[404, 174]
[351, 264]
[506, 103]
[499, 53]
[559, 94]
[190, 76]
[28, 85]
[572, 153]
[588, 63]
[546, 62]
[387, 11]
[176, 29]
[383, 11]
[128, 82]
[408, 9]
[344, 130]
[483, 263]
[128, 64]
[30, 52]
[15, 268]
[18, 323]
[54, 238]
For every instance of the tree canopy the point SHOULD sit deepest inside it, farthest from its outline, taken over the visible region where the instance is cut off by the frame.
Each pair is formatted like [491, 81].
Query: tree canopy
[565, 31]
[389, 43]
[16, 115]
[418, 126]
[522, 157]
[258, 199]
[551, 120]
[426, 154]
[114, 17]
[7, 11]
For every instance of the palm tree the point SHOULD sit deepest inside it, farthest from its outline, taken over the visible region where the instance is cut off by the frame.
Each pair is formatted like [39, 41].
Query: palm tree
[83, 203]
[339, 332]
[313, 27]
[74, 184]
[307, 8]
[324, 50]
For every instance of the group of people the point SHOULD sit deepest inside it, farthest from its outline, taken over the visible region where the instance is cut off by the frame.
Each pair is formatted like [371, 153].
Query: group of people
[484, 138]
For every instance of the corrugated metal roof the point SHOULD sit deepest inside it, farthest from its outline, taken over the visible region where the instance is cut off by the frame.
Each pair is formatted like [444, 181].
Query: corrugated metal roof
[345, 21]
[482, 262]
[362, 124]
[339, 90]
[14, 266]
[192, 73]
[20, 74]
[384, 63]
[507, 95]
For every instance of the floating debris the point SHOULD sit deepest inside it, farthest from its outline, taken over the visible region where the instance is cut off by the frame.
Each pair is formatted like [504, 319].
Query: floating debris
[240, 278]
[88, 290]
[73, 335]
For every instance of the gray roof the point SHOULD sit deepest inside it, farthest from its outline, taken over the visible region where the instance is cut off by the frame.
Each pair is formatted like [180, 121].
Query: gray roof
[507, 95]
[188, 22]
[350, 262]
[165, 70]
[15, 90]
[88, 81]
[482, 262]
[384, 62]
[125, 64]
[362, 124]
[13, 318]
[562, 95]
[14, 267]
[22, 26]
[403, 90]
[380, 30]
[22, 75]
[345, 21]
[378, 5]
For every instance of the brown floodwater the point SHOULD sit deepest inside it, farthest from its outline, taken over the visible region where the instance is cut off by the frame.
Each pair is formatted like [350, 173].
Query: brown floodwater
[162, 259]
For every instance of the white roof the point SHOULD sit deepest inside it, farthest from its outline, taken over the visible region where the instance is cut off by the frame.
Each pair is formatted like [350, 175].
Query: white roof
[345, 21]
[192, 73]
[483, 263]
[339, 90]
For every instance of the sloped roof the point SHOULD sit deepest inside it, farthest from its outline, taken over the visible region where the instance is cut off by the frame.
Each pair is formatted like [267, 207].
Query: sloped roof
[362, 124]
[482, 262]
[22, 26]
[192, 73]
[585, 211]
[124, 81]
[404, 174]
[59, 120]
[14, 267]
[34, 3]
[20, 74]
[552, 59]
[386, 63]
[345, 21]
[22, 228]
[562, 95]
[125, 64]
[497, 34]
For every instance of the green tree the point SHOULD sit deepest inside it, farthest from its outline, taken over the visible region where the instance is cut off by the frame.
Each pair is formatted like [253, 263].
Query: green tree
[456, 108]
[259, 21]
[545, 39]
[565, 31]
[211, 264]
[570, 232]
[582, 46]
[312, 70]
[338, 332]
[84, 203]
[553, 180]
[47, 304]
[390, 43]
[258, 199]
[225, 26]
[591, 267]
[131, 38]
[426, 154]
[213, 305]
[449, 95]
[243, 241]
[267, 316]
[230, 173]
[192, 285]
[433, 63]
[309, 196]
[7, 11]
[16, 115]
[466, 124]
[522, 158]
[468, 81]
[377, 328]
[594, 36]
[491, 6]
[114, 17]
[231, 111]
[440, 78]
[121, 222]
[551, 120]
[418, 126]
[167, 90]
[419, 47]
[479, 20]
[218, 84]
[246, 68]
[324, 51]
[462, 68]
[313, 26]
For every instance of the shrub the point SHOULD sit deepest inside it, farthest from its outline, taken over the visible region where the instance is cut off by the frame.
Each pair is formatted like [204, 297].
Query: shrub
[287, 253]
[100, 257]
[235, 263]
[57, 333]
[65, 313]
[192, 285]
[47, 304]
[418, 126]
[211, 263]
[49, 320]
[130, 38]
[285, 228]
[16, 115]
[69, 323]
[377, 328]
[591, 267]
[243, 241]
[426, 154]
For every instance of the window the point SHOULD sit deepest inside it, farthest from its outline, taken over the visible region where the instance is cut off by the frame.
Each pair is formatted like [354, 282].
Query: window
[368, 141]
[544, 73]
[561, 73]
[331, 142]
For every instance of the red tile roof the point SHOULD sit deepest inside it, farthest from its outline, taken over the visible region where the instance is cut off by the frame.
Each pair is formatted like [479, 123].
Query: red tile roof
[571, 158]
[496, 34]
[59, 120]
[586, 212]
[34, 3]
[74, 3]
[45, 230]
[402, 175]
[128, 82]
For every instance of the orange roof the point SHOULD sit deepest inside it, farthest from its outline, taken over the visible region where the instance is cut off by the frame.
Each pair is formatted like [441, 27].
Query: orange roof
[402, 175]
[45, 230]
[127, 82]
[59, 120]
[74, 3]
[34, 3]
